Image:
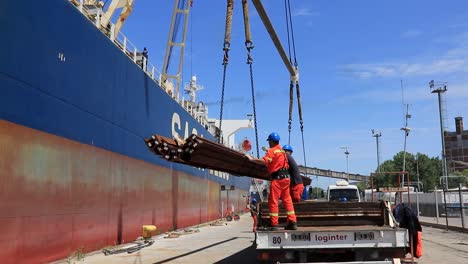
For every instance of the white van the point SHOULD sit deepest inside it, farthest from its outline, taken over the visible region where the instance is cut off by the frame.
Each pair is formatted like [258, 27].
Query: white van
[343, 192]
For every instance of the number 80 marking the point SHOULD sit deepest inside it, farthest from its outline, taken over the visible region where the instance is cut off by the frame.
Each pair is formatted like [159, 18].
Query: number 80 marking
[276, 240]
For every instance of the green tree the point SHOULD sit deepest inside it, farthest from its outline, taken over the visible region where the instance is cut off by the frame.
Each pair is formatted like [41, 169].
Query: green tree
[428, 168]
[461, 179]
[312, 192]
[429, 171]
[361, 186]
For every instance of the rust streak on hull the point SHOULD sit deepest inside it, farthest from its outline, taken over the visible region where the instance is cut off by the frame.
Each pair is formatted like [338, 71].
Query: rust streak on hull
[57, 195]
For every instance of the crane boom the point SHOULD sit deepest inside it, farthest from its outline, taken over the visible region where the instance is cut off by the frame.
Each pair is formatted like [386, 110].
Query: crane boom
[274, 37]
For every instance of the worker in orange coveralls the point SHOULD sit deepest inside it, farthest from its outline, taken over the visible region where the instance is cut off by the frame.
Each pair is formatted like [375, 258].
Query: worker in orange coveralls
[253, 212]
[277, 165]
[297, 186]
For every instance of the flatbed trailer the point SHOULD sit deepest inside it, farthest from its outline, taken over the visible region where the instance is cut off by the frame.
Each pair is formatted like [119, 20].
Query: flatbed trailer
[340, 232]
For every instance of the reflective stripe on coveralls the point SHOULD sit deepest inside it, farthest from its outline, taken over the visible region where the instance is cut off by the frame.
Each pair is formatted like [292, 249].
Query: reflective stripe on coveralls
[275, 159]
[280, 189]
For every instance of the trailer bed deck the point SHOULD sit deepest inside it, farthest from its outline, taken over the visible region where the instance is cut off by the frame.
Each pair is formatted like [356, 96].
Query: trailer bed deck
[333, 228]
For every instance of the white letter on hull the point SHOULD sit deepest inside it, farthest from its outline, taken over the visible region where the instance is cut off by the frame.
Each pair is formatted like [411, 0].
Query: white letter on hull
[175, 121]
[186, 130]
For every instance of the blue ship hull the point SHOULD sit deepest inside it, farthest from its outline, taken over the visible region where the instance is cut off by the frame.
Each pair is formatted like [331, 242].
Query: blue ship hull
[74, 170]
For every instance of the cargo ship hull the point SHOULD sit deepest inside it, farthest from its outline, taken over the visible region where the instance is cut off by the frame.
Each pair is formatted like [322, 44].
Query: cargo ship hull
[74, 170]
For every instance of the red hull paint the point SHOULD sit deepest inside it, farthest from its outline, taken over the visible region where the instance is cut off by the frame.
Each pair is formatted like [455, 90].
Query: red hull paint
[57, 195]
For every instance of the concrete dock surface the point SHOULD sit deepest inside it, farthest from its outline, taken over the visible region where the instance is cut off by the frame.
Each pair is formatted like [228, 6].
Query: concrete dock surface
[231, 242]
[454, 223]
[224, 242]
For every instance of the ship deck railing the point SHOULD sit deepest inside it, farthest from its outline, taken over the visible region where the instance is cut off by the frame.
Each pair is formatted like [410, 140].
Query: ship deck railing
[94, 14]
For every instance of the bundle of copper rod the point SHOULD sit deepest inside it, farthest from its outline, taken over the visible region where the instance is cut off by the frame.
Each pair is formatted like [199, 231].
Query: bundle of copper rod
[200, 152]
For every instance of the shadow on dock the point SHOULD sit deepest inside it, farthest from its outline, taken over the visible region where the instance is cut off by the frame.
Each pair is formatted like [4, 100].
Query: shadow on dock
[245, 256]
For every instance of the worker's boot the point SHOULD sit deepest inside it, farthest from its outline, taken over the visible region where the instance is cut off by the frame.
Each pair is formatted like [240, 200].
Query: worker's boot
[273, 228]
[291, 226]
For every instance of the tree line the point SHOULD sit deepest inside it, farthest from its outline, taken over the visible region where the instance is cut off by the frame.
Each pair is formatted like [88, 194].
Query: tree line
[428, 169]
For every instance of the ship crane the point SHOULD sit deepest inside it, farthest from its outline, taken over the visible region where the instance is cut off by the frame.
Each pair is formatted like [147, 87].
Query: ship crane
[126, 7]
[169, 75]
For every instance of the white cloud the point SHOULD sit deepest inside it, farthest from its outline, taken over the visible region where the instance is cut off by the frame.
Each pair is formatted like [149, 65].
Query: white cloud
[411, 33]
[438, 66]
[453, 60]
[305, 12]
[459, 25]
[456, 95]
[366, 71]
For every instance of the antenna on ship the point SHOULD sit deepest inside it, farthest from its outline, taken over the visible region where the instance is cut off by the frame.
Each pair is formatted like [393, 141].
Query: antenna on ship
[192, 88]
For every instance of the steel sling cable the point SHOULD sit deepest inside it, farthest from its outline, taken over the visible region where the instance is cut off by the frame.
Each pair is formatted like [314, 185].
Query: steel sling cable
[226, 47]
[298, 91]
[291, 98]
[299, 108]
[296, 80]
[249, 45]
[287, 29]
[292, 34]
[291, 85]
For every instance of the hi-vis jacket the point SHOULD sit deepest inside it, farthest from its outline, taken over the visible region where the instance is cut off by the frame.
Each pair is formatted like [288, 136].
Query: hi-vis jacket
[276, 159]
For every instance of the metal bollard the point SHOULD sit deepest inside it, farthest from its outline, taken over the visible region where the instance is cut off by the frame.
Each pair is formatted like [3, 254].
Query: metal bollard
[436, 205]
[417, 201]
[462, 213]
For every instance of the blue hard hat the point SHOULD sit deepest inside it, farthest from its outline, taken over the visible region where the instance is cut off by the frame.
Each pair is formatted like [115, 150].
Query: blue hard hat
[254, 200]
[273, 137]
[288, 147]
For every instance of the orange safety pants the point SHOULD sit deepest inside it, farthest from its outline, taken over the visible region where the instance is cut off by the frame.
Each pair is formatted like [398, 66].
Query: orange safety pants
[280, 189]
[296, 192]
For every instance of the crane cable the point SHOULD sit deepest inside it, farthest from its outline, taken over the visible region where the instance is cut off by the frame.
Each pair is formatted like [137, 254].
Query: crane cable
[249, 46]
[291, 85]
[292, 35]
[287, 29]
[226, 47]
[294, 80]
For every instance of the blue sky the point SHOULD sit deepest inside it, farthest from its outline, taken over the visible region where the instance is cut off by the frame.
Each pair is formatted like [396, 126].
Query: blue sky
[352, 56]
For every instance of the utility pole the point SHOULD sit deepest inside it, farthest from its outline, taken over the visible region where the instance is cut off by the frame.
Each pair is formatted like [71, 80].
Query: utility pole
[441, 88]
[406, 129]
[377, 135]
[347, 163]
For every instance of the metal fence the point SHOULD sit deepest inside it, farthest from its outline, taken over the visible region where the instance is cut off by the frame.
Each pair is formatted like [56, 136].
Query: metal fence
[444, 207]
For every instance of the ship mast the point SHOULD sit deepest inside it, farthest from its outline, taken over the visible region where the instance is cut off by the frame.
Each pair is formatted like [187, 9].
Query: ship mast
[192, 88]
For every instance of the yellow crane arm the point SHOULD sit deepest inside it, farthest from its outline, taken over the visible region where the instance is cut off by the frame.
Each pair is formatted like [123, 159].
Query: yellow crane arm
[125, 5]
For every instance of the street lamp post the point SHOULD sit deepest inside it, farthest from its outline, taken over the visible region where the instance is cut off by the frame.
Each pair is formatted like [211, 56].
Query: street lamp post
[439, 89]
[377, 135]
[406, 129]
[347, 163]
